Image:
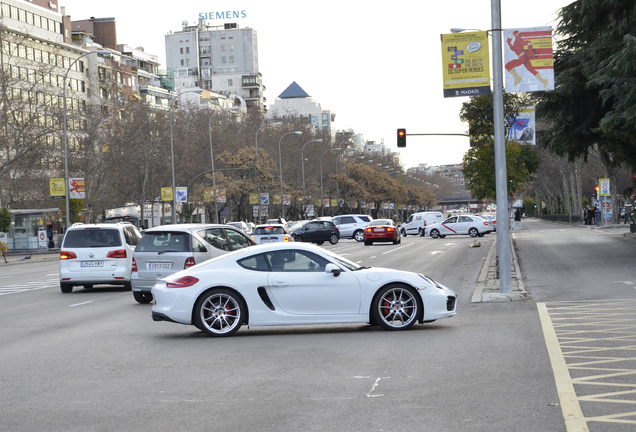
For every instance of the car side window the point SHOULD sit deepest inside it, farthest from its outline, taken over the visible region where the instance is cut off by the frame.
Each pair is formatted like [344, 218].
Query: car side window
[451, 220]
[465, 219]
[132, 236]
[347, 220]
[237, 240]
[297, 261]
[215, 237]
[198, 246]
[255, 262]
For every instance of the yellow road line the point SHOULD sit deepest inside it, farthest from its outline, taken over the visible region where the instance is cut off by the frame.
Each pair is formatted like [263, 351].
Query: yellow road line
[570, 407]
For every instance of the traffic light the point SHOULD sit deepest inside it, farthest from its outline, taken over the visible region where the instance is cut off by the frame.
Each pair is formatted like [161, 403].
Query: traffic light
[401, 137]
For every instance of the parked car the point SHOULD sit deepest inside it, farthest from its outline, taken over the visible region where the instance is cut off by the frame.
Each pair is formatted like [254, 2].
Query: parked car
[271, 233]
[243, 226]
[417, 223]
[295, 283]
[317, 231]
[352, 226]
[464, 224]
[166, 249]
[382, 230]
[97, 254]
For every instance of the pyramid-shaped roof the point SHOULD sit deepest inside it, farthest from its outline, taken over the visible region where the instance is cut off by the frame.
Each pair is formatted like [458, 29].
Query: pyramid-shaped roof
[293, 91]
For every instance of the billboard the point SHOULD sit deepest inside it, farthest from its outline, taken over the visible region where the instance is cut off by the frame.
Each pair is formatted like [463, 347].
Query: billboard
[528, 59]
[522, 127]
[466, 64]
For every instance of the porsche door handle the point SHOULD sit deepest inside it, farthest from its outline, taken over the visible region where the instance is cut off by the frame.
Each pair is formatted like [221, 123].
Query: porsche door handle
[278, 284]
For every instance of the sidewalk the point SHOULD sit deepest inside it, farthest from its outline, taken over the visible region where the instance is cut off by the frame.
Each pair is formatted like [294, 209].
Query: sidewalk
[487, 290]
[30, 256]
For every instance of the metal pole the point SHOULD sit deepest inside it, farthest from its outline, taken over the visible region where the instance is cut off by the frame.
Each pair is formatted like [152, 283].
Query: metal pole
[503, 216]
[302, 157]
[280, 168]
[216, 208]
[174, 182]
[67, 189]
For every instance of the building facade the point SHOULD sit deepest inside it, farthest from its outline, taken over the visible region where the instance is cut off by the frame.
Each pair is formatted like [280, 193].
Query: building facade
[223, 59]
[294, 102]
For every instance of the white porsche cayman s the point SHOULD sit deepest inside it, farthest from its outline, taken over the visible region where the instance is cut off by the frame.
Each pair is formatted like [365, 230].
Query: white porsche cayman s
[296, 284]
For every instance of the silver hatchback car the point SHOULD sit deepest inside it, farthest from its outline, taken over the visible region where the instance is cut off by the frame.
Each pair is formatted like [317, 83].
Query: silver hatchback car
[167, 249]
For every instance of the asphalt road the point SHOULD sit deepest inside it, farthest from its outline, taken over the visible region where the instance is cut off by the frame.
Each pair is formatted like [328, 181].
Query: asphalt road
[93, 360]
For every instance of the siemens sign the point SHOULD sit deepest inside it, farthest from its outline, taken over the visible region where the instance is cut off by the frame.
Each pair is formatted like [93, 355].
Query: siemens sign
[223, 15]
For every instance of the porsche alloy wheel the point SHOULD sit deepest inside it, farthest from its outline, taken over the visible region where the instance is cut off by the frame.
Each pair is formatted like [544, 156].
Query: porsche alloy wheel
[396, 307]
[219, 313]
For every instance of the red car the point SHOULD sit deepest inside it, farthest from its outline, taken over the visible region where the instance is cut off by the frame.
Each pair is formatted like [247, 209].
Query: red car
[382, 230]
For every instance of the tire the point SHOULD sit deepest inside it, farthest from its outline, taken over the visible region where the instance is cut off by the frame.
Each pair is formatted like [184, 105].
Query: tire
[368, 243]
[334, 239]
[358, 235]
[298, 238]
[398, 240]
[128, 286]
[219, 312]
[480, 235]
[435, 233]
[143, 297]
[442, 236]
[473, 232]
[396, 307]
[319, 242]
[403, 232]
[66, 288]
[420, 232]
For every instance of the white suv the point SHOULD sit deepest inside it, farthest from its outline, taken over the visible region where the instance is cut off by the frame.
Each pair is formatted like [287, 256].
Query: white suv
[97, 254]
[352, 226]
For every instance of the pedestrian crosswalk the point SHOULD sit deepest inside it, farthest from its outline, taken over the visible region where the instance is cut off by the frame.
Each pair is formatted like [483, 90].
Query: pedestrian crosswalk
[28, 286]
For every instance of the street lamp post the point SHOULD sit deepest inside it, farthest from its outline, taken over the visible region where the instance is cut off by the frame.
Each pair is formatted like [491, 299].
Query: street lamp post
[501, 175]
[216, 208]
[302, 157]
[280, 168]
[258, 184]
[174, 181]
[322, 195]
[67, 188]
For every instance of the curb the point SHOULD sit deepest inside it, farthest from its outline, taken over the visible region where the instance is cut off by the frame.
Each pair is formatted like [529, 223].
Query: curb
[487, 290]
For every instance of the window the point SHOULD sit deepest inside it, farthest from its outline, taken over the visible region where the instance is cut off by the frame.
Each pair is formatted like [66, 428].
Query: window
[215, 237]
[230, 82]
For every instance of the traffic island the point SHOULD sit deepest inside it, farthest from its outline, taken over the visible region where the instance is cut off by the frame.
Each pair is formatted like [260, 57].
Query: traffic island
[487, 290]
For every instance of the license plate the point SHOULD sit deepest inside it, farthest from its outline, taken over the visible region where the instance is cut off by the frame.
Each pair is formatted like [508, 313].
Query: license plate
[159, 266]
[378, 229]
[92, 264]
[269, 240]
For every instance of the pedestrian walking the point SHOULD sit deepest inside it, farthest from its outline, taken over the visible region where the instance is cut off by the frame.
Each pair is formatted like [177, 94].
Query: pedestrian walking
[517, 219]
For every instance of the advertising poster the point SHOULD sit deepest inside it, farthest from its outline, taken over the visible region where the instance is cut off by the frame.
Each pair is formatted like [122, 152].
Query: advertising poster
[76, 188]
[166, 194]
[466, 64]
[522, 128]
[182, 195]
[528, 59]
[56, 187]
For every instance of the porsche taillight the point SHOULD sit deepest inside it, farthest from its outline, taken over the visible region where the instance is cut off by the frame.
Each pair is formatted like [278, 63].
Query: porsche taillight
[182, 282]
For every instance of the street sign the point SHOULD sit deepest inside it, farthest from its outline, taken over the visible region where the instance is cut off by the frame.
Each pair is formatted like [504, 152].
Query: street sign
[604, 187]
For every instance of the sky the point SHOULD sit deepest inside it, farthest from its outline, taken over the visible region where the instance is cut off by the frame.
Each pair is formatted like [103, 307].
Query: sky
[376, 65]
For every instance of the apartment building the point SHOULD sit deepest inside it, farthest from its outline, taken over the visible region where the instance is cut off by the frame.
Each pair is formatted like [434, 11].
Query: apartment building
[220, 58]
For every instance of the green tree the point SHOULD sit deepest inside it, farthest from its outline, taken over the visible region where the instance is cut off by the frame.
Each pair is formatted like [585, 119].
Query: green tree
[593, 105]
[479, 161]
[5, 219]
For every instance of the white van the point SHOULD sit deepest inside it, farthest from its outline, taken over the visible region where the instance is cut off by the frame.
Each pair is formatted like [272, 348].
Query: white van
[417, 222]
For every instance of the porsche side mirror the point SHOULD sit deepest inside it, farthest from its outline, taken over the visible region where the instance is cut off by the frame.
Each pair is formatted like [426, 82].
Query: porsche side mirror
[334, 269]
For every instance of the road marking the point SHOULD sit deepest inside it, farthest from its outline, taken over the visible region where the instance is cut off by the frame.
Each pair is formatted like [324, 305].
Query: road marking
[625, 282]
[572, 413]
[81, 304]
[435, 252]
[397, 248]
[29, 286]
